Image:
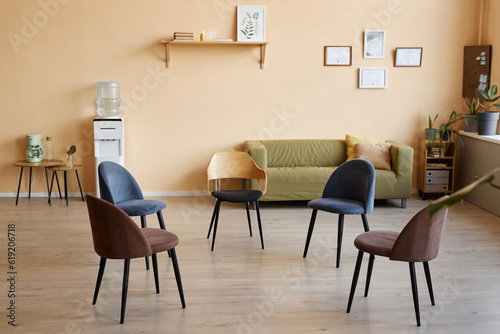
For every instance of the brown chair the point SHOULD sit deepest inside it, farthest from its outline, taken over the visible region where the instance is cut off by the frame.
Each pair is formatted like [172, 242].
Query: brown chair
[234, 165]
[116, 236]
[418, 242]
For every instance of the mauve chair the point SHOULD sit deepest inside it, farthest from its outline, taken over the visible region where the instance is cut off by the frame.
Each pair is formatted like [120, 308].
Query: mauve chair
[349, 191]
[418, 242]
[116, 236]
[234, 165]
[118, 186]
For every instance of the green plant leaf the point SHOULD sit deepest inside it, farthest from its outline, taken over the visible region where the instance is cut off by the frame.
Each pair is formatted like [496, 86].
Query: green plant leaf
[484, 94]
[493, 91]
[71, 150]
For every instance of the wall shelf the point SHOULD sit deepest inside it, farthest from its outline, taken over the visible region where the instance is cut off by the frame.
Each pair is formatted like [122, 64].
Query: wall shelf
[212, 43]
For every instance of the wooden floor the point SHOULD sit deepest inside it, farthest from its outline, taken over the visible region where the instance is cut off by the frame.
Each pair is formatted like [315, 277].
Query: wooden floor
[240, 288]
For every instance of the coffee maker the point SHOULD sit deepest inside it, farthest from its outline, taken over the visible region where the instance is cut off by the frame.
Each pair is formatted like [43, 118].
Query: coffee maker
[34, 149]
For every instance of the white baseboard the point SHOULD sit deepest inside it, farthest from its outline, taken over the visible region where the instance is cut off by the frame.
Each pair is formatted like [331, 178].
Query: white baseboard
[77, 194]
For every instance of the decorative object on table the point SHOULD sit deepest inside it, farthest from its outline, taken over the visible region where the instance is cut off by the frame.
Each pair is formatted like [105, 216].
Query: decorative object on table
[69, 156]
[470, 120]
[251, 23]
[477, 68]
[49, 153]
[34, 149]
[108, 99]
[487, 121]
[202, 36]
[372, 77]
[338, 55]
[211, 34]
[430, 132]
[408, 57]
[183, 36]
[374, 44]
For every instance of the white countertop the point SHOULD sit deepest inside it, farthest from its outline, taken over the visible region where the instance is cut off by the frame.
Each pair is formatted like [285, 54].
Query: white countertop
[495, 139]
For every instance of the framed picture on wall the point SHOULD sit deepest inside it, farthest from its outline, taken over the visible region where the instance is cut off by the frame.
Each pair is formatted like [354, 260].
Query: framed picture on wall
[372, 77]
[338, 55]
[374, 44]
[251, 23]
[408, 57]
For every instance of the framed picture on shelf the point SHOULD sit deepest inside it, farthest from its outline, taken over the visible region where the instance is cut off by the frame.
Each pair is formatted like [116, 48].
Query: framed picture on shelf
[408, 57]
[372, 77]
[374, 44]
[338, 55]
[251, 23]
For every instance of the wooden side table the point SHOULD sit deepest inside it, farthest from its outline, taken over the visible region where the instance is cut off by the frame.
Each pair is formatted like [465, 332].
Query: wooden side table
[65, 169]
[43, 163]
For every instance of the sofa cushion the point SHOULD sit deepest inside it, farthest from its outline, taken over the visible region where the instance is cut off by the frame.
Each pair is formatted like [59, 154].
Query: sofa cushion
[351, 142]
[305, 153]
[379, 154]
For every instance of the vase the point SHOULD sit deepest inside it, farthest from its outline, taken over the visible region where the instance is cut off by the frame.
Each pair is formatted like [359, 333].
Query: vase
[69, 160]
[487, 123]
[470, 123]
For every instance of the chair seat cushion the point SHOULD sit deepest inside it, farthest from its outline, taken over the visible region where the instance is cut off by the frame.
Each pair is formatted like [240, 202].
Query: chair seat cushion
[376, 242]
[337, 205]
[160, 240]
[141, 207]
[237, 196]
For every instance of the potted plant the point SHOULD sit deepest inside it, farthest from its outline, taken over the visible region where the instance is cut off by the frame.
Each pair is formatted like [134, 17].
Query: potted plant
[471, 118]
[487, 120]
[430, 132]
[445, 132]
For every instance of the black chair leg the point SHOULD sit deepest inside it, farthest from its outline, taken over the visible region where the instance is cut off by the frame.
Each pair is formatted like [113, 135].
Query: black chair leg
[213, 219]
[339, 237]
[217, 210]
[102, 264]
[365, 223]
[257, 210]
[310, 231]
[126, 269]
[369, 274]
[155, 271]
[429, 281]
[160, 220]
[248, 218]
[354, 280]
[414, 290]
[177, 273]
[144, 225]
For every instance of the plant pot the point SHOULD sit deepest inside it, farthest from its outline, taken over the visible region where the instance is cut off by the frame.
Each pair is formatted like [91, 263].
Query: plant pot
[487, 123]
[470, 123]
[430, 133]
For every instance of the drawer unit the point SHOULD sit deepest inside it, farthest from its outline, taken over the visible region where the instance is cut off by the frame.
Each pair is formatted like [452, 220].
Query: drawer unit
[437, 180]
[436, 187]
[438, 173]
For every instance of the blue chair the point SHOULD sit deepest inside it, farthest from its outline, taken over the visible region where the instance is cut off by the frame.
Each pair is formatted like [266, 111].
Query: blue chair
[349, 191]
[118, 187]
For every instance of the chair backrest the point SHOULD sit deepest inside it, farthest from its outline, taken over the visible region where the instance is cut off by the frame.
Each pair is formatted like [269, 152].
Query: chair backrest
[116, 184]
[355, 180]
[235, 165]
[420, 239]
[115, 234]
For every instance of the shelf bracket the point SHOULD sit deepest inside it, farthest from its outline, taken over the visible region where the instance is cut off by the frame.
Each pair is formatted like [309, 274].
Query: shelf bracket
[262, 55]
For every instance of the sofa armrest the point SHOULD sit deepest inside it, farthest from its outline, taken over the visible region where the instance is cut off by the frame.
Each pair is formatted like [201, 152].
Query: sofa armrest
[257, 151]
[402, 165]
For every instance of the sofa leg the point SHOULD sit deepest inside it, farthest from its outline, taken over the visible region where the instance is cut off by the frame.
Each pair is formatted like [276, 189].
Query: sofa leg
[403, 203]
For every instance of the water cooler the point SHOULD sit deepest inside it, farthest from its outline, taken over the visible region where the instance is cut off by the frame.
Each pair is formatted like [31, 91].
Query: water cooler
[108, 128]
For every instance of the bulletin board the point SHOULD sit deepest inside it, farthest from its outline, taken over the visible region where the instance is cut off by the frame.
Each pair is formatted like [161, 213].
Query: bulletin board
[477, 67]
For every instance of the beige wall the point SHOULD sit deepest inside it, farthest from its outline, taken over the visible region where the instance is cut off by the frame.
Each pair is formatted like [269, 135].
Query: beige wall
[214, 98]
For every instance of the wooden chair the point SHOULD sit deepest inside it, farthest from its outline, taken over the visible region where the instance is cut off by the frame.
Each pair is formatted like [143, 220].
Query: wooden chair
[234, 165]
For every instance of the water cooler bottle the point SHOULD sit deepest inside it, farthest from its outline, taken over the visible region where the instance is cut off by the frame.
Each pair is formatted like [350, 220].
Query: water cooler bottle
[108, 128]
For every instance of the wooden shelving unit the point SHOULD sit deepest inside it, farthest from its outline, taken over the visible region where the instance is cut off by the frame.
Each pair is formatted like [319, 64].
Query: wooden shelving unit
[436, 173]
[168, 44]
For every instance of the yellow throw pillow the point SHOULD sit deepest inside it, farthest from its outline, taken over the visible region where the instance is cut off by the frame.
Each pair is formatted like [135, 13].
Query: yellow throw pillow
[379, 154]
[351, 142]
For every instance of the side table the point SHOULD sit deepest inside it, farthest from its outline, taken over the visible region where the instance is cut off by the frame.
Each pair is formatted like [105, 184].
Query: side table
[65, 169]
[43, 163]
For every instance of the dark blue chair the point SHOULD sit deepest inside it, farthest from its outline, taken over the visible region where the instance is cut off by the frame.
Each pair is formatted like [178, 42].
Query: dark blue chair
[349, 191]
[118, 187]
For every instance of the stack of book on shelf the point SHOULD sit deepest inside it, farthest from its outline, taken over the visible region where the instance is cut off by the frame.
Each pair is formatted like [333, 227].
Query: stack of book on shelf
[183, 36]
[436, 152]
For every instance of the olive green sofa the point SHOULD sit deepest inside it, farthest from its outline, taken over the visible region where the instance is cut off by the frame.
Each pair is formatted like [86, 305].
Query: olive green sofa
[298, 170]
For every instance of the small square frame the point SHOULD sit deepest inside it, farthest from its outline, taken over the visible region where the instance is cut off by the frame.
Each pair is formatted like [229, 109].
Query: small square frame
[251, 23]
[408, 57]
[338, 55]
[373, 77]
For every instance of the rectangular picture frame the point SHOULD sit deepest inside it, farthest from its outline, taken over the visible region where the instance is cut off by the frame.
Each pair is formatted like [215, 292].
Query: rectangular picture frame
[374, 44]
[251, 23]
[373, 77]
[408, 57]
[338, 55]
